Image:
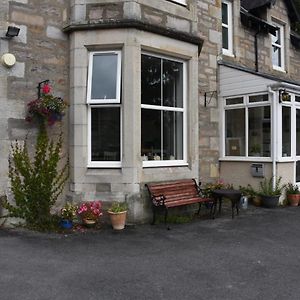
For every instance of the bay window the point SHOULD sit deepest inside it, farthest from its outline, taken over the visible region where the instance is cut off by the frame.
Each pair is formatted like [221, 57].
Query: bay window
[163, 111]
[104, 109]
[248, 126]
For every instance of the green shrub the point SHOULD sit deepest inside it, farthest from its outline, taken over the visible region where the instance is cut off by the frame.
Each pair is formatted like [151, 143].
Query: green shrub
[36, 183]
[266, 187]
[292, 189]
[117, 207]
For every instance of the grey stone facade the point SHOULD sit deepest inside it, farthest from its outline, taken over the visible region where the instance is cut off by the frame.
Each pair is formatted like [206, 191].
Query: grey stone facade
[54, 43]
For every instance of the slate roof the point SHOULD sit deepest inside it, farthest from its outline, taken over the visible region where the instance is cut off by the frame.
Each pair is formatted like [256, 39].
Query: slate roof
[293, 7]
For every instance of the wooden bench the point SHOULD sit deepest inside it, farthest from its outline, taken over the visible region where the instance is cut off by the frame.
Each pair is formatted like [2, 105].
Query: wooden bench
[176, 193]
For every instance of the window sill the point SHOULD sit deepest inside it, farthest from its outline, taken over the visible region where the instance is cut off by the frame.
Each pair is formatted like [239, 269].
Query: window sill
[246, 159]
[105, 165]
[228, 54]
[279, 69]
[161, 164]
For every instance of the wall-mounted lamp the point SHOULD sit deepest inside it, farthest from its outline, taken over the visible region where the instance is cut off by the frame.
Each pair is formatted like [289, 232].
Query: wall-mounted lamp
[284, 96]
[12, 31]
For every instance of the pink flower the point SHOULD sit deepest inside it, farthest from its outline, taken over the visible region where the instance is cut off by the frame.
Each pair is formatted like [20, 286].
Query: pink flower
[46, 88]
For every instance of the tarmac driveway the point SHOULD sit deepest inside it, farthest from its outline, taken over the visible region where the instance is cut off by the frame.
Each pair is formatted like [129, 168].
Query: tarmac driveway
[254, 256]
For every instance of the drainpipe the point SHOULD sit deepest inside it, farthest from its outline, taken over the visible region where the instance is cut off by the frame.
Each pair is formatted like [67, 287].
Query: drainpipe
[256, 51]
[274, 134]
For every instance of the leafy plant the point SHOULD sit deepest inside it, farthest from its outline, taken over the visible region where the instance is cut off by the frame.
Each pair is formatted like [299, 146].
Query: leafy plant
[248, 191]
[292, 189]
[47, 108]
[36, 183]
[68, 212]
[117, 207]
[210, 187]
[266, 187]
[90, 210]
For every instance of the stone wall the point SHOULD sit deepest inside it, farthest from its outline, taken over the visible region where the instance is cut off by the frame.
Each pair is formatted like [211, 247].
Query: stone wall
[209, 27]
[41, 50]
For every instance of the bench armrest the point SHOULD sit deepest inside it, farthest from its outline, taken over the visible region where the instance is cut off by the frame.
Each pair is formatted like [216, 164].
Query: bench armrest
[158, 200]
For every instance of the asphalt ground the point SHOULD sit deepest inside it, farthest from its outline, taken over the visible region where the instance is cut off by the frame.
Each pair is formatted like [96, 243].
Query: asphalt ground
[254, 256]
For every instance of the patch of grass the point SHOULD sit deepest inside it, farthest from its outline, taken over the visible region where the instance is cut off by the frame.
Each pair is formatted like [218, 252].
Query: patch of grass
[174, 219]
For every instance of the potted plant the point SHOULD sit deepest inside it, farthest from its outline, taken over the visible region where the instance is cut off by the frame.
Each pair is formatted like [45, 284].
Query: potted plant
[269, 195]
[68, 212]
[117, 213]
[255, 150]
[90, 212]
[249, 192]
[293, 195]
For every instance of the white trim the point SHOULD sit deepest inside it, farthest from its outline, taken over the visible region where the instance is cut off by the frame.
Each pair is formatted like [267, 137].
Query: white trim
[164, 163]
[118, 81]
[245, 105]
[183, 110]
[280, 46]
[102, 164]
[229, 27]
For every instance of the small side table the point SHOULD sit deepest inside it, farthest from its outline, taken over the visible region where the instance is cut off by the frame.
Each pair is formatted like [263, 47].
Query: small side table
[233, 195]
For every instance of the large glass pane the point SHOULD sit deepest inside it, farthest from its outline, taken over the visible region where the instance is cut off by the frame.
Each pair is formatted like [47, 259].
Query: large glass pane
[297, 131]
[259, 143]
[173, 135]
[225, 38]
[105, 134]
[151, 134]
[286, 131]
[235, 132]
[298, 171]
[224, 13]
[104, 77]
[172, 83]
[276, 56]
[151, 80]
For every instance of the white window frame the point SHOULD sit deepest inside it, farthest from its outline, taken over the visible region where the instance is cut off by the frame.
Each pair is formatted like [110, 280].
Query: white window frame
[280, 46]
[246, 105]
[169, 163]
[118, 81]
[102, 103]
[229, 27]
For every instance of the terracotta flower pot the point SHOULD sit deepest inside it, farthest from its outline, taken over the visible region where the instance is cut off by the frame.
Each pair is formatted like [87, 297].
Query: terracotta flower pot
[256, 201]
[118, 219]
[293, 199]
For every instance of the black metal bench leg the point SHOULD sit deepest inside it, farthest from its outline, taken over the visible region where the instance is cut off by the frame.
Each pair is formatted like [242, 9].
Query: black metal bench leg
[166, 215]
[154, 215]
[199, 208]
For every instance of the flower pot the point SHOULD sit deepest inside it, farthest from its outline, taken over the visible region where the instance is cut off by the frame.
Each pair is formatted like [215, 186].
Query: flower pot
[66, 224]
[270, 201]
[118, 219]
[89, 222]
[293, 199]
[256, 201]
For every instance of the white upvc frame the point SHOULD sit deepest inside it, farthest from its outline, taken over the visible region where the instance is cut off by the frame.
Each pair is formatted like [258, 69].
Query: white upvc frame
[169, 163]
[245, 105]
[118, 79]
[102, 103]
[229, 27]
[102, 164]
[280, 46]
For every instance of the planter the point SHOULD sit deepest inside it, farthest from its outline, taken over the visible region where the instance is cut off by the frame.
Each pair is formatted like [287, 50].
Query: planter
[270, 201]
[117, 219]
[89, 222]
[66, 224]
[293, 199]
[256, 201]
